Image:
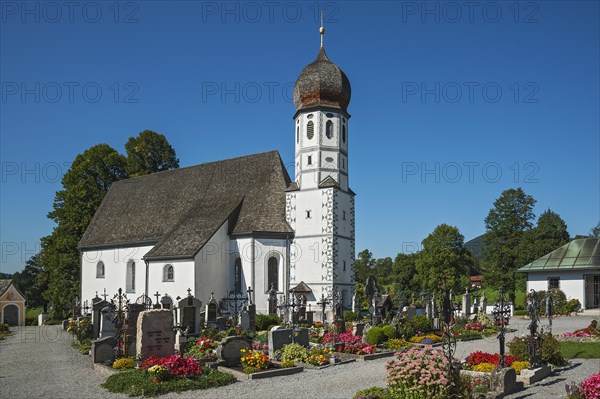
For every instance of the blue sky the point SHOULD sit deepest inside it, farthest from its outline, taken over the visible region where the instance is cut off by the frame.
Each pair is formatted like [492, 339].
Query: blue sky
[452, 102]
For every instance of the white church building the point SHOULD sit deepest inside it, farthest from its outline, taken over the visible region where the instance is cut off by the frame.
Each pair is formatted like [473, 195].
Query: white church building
[224, 226]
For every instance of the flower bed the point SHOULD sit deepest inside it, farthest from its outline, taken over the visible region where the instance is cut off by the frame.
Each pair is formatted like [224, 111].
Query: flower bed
[275, 369]
[202, 349]
[427, 339]
[488, 362]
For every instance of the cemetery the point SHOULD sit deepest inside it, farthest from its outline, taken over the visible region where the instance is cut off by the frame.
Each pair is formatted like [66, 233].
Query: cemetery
[154, 347]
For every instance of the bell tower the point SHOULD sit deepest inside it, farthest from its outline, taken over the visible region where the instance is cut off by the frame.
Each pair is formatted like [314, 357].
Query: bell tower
[319, 203]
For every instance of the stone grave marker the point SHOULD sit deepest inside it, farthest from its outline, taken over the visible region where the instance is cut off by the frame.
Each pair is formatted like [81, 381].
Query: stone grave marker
[97, 307]
[505, 381]
[310, 317]
[103, 349]
[107, 326]
[278, 337]
[211, 312]
[248, 318]
[190, 309]
[357, 329]
[229, 349]
[155, 335]
[221, 323]
[466, 304]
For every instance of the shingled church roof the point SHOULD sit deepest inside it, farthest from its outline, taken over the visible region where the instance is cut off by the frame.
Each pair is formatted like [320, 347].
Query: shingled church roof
[179, 210]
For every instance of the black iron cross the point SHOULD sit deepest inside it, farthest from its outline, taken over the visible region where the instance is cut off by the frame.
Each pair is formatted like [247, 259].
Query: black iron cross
[157, 295]
[249, 291]
[189, 291]
[501, 314]
[234, 301]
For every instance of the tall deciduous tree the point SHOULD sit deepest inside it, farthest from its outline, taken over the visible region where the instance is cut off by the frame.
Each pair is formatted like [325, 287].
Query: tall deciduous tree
[506, 223]
[444, 261]
[364, 266]
[549, 234]
[149, 152]
[407, 282]
[32, 281]
[84, 187]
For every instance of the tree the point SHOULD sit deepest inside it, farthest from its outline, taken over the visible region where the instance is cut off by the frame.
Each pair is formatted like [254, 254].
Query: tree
[444, 261]
[595, 232]
[549, 234]
[149, 152]
[84, 186]
[407, 281]
[383, 269]
[32, 282]
[506, 223]
[363, 266]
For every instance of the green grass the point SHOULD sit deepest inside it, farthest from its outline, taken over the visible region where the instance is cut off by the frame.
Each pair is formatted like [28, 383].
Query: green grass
[580, 350]
[139, 383]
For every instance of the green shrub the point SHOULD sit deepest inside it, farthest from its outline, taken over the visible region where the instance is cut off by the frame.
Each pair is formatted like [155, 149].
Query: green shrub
[211, 333]
[295, 353]
[287, 364]
[351, 316]
[138, 382]
[264, 321]
[389, 331]
[375, 336]
[372, 393]
[520, 313]
[4, 327]
[550, 349]
[420, 324]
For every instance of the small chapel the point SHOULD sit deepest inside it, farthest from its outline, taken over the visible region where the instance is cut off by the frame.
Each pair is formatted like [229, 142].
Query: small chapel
[239, 225]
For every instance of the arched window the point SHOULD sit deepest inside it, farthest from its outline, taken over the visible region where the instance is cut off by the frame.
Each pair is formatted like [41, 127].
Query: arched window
[100, 270]
[310, 130]
[272, 273]
[344, 133]
[298, 134]
[237, 275]
[329, 129]
[168, 273]
[130, 277]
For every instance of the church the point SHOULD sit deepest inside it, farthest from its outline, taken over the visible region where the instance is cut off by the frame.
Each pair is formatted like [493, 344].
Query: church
[222, 227]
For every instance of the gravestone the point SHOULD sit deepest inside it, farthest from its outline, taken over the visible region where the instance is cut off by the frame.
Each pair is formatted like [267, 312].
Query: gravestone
[210, 316]
[41, 318]
[278, 337]
[97, 307]
[229, 349]
[505, 381]
[190, 309]
[411, 312]
[466, 304]
[310, 317]
[248, 318]
[357, 329]
[103, 349]
[133, 312]
[365, 330]
[155, 336]
[107, 326]
[221, 323]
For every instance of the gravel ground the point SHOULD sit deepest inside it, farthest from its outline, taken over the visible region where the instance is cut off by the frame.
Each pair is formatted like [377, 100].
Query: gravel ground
[39, 362]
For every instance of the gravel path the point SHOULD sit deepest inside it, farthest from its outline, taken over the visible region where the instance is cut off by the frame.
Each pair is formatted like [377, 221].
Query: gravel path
[39, 362]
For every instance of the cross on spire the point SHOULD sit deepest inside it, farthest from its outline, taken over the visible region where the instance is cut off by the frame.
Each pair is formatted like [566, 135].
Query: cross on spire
[322, 30]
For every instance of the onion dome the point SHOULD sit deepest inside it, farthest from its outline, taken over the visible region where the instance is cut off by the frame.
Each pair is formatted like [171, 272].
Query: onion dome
[322, 83]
